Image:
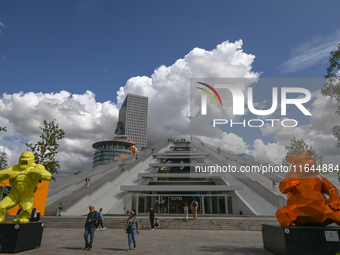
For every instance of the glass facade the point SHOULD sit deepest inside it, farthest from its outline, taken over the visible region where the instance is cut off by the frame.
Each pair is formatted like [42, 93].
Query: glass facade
[132, 121]
[107, 151]
[174, 203]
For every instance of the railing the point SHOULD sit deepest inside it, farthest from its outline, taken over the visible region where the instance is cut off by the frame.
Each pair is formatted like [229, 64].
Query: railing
[224, 152]
[128, 163]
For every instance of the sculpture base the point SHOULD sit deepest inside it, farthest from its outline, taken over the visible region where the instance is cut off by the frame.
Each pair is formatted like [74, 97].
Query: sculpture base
[20, 237]
[301, 239]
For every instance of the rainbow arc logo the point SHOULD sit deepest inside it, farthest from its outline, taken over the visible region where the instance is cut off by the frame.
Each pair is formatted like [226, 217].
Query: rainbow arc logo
[207, 91]
[204, 100]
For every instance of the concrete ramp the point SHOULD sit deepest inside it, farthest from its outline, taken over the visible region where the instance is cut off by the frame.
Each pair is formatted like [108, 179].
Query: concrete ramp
[104, 189]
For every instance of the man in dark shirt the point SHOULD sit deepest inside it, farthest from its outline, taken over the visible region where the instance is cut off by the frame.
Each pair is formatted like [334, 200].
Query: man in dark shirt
[152, 215]
[160, 207]
[91, 220]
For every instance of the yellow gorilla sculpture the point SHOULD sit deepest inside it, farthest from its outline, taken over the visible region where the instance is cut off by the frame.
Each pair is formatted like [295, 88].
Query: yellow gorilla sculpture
[23, 178]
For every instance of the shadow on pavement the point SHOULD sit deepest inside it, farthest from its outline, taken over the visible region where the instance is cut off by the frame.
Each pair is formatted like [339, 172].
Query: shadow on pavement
[227, 249]
[72, 248]
[114, 249]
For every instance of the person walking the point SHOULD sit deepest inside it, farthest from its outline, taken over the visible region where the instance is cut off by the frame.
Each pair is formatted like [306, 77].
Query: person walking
[35, 215]
[160, 207]
[157, 204]
[274, 186]
[186, 211]
[133, 225]
[60, 208]
[101, 220]
[152, 216]
[91, 220]
[194, 206]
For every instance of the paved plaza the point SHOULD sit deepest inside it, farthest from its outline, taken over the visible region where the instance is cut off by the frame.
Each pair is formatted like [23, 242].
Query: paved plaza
[160, 241]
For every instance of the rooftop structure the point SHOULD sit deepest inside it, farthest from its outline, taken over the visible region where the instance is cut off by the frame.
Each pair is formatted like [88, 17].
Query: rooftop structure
[109, 150]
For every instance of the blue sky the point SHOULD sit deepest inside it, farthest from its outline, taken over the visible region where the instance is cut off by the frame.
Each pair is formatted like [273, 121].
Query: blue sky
[98, 45]
[97, 51]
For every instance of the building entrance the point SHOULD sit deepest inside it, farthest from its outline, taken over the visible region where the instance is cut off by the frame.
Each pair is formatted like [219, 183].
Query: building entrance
[174, 203]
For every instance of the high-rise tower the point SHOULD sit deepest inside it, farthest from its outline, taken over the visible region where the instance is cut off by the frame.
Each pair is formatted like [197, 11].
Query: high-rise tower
[133, 119]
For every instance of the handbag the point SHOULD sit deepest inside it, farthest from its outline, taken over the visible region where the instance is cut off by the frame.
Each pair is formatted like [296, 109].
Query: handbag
[128, 228]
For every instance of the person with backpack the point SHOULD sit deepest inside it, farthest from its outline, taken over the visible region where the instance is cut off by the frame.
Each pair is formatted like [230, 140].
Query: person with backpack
[101, 220]
[90, 226]
[132, 228]
[194, 206]
[186, 210]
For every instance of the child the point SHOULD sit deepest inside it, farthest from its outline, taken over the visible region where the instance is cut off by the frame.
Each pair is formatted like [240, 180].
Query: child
[157, 223]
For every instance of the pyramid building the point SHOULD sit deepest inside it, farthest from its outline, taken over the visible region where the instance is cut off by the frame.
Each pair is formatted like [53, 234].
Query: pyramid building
[169, 172]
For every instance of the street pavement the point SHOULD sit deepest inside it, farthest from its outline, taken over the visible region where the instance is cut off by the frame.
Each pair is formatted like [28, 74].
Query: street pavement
[159, 241]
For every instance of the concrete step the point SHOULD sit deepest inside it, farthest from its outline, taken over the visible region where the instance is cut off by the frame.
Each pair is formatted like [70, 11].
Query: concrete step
[203, 223]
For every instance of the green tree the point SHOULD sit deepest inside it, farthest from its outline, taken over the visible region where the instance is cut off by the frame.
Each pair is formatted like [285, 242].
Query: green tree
[300, 147]
[46, 149]
[331, 86]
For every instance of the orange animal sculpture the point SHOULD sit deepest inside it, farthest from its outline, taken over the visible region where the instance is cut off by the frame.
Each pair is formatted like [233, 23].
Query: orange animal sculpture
[311, 198]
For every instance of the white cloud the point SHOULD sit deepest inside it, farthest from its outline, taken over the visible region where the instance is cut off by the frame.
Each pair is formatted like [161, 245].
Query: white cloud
[267, 153]
[318, 134]
[228, 142]
[86, 121]
[323, 113]
[311, 53]
[168, 88]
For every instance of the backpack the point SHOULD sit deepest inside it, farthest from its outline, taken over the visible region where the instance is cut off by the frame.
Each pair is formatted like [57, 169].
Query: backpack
[194, 204]
[96, 223]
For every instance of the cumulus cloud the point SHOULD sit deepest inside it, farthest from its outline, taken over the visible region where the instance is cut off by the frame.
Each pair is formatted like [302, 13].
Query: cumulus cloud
[86, 121]
[229, 142]
[267, 153]
[311, 53]
[317, 134]
[168, 88]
